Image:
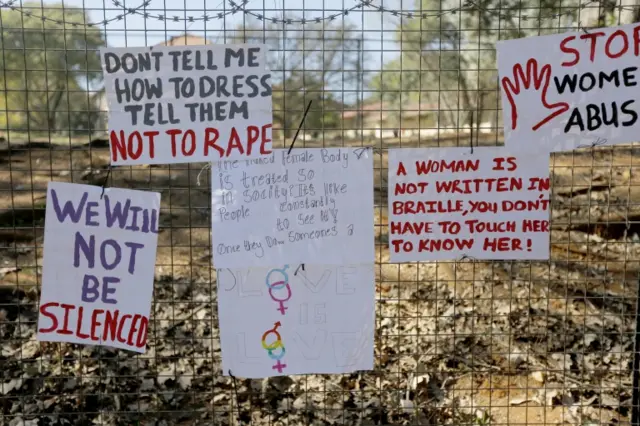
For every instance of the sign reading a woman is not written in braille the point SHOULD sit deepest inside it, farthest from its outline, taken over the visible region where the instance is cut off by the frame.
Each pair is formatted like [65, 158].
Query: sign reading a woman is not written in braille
[446, 203]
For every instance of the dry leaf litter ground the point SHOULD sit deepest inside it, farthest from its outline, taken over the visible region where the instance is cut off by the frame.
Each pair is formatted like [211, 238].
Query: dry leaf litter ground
[467, 342]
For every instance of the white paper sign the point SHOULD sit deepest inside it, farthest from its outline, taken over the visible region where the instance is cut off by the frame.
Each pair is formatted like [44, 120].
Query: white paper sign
[98, 268]
[178, 104]
[286, 320]
[309, 206]
[563, 91]
[445, 203]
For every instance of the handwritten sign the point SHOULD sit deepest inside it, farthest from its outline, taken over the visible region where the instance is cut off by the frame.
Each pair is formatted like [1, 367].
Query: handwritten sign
[563, 91]
[99, 261]
[285, 320]
[445, 203]
[309, 206]
[183, 104]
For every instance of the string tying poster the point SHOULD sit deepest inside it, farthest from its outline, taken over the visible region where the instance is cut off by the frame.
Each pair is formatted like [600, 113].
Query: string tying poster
[564, 91]
[306, 206]
[445, 203]
[171, 104]
[304, 320]
[99, 262]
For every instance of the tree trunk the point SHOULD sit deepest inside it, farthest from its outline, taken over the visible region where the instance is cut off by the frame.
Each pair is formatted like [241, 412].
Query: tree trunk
[53, 106]
[466, 98]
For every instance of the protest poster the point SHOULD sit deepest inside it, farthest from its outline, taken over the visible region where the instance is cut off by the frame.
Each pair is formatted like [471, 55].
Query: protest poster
[309, 205]
[98, 267]
[179, 104]
[446, 203]
[311, 319]
[570, 90]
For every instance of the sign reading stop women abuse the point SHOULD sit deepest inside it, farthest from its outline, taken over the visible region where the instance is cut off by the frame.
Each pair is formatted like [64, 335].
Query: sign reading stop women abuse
[99, 261]
[187, 104]
[563, 91]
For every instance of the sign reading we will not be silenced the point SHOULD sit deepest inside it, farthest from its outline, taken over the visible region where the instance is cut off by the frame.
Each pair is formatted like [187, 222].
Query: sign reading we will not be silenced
[445, 203]
[563, 91]
[187, 104]
[99, 262]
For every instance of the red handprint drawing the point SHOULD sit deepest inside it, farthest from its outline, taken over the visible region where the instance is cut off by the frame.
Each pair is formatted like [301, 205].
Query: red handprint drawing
[537, 77]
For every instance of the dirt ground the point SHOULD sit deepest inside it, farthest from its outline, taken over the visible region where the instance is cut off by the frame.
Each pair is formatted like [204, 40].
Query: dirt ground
[467, 342]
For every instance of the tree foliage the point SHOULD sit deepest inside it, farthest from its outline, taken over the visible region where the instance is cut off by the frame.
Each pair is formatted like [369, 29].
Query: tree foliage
[317, 64]
[46, 69]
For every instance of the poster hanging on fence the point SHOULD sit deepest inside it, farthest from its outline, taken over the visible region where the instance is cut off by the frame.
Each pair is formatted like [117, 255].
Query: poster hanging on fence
[316, 320]
[309, 205]
[564, 91]
[179, 104]
[98, 267]
[445, 203]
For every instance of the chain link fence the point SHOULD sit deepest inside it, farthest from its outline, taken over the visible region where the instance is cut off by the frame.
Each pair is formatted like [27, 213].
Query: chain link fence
[466, 342]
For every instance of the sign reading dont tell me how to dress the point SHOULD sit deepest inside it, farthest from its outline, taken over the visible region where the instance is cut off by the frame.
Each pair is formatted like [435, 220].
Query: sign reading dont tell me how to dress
[184, 104]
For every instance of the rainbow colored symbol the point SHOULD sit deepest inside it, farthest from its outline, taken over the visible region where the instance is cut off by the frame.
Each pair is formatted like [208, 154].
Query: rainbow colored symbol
[275, 349]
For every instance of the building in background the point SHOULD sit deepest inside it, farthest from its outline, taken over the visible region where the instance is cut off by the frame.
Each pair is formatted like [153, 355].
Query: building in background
[387, 120]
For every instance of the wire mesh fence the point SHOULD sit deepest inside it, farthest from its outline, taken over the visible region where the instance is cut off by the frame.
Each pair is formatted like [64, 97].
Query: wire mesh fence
[466, 342]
